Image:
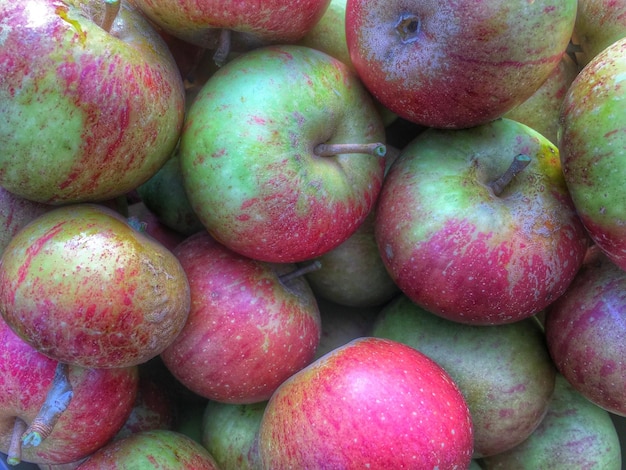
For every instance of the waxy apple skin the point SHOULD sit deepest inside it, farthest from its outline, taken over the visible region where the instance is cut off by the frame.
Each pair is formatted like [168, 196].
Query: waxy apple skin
[592, 141]
[585, 333]
[372, 403]
[248, 161]
[83, 287]
[85, 115]
[460, 251]
[102, 401]
[460, 63]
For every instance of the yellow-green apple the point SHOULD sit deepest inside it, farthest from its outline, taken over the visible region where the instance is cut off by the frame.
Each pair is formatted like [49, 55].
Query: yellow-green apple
[591, 143]
[454, 64]
[372, 403]
[477, 225]
[95, 404]
[86, 113]
[575, 433]
[504, 371]
[264, 157]
[585, 331]
[599, 23]
[542, 109]
[249, 326]
[83, 287]
[159, 448]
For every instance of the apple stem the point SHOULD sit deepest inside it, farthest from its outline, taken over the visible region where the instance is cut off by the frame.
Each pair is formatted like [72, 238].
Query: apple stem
[57, 400]
[330, 150]
[111, 9]
[136, 224]
[14, 455]
[301, 271]
[520, 162]
[223, 47]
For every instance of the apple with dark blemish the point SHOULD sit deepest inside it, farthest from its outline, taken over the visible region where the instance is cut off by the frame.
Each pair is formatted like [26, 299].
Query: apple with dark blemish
[585, 332]
[281, 154]
[92, 100]
[96, 403]
[251, 324]
[453, 64]
[372, 403]
[80, 285]
[592, 142]
[477, 225]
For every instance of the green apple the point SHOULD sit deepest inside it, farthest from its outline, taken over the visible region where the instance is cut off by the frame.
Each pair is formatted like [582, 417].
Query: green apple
[599, 23]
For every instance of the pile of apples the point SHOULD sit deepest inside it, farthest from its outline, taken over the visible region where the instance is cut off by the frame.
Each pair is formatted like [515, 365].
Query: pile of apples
[312, 234]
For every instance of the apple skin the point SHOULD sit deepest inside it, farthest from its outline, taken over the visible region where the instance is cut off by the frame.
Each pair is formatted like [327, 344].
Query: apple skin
[102, 401]
[81, 286]
[248, 160]
[585, 333]
[159, 448]
[575, 433]
[461, 64]
[257, 23]
[372, 403]
[247, 331]
[460, 251]
[504, 371]
[591, 143]
[15, 213]
[95, 113]
[149, 223]
[599, 23]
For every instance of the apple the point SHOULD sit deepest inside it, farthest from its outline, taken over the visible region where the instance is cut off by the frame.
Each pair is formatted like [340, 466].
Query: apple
[249, 327]
[159, 448]
[451, 64]
[372, 403]
[15, 213]
[591, 144]
[599, 23]
[470, 234]
[229, 432]
[83, 287]
[504, 371]
[542, 109]
[264, 157]
[146, 221]
[100, 400]
[585, 331]
[574, 434]
[89, 110]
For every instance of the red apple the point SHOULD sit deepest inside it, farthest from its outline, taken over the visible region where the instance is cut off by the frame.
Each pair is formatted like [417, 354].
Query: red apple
[92, 102]
[249, 327]
[372, 403]
[101, 401]
[454, 63]
[465, 246]
[83, 287]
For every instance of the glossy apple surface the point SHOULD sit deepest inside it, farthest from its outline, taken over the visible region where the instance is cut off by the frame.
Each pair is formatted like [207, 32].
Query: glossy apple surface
[96, 113]
[249, 161]
[83, 287]
[372, 403]
[462, 251]
[453, 64]
[591, 144]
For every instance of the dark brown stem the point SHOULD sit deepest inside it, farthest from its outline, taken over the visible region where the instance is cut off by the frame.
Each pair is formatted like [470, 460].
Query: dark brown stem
[301, 271]
[14, 456]
[111, 9]
[520, 162]
[329, 150]
[57, 400]
[223, 47]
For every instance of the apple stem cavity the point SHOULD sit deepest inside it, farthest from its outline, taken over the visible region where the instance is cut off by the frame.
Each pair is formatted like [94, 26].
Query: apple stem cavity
[223, 47]
[14, 454]
[330, 150]
[408, 28]
[111, 9]
[57, 400]
[520, 162]
[301, 271]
